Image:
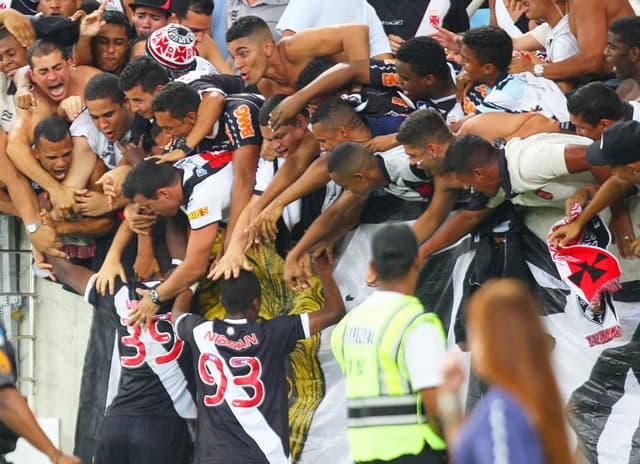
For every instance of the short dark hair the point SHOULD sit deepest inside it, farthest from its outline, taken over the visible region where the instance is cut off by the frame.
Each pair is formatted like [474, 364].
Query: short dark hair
[336, 112]
[248, 26]
[104, 85]
[182, 7]
[490, 45]
[53, 129]
[347, 157]
[146, 177]
[145, 72]
[394, 249]
[595, 101]
[425, 56]
[628, 29]
[268, 106]
[178, 99]
[4, 33]
[42, 48]
[238, 293]
[312, 70]
[118, 18]
[468, 152]
[423, 127]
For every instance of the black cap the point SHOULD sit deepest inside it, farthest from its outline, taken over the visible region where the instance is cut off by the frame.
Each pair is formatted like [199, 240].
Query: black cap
[164, 5]
[394, 249]
[619, 144]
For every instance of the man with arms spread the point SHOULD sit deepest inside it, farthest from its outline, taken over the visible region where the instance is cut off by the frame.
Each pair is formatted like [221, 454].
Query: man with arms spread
[242, 390]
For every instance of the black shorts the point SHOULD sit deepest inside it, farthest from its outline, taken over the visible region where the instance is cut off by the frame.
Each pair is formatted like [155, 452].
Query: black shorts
[143, 440]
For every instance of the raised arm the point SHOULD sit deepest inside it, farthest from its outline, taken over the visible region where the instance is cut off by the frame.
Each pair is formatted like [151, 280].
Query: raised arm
[454, 229]
[613, 189]
[591, 26]
[441, 205]
[348, 41]
[25, 202]
[333, 309]
[338, 216]
[90, 26]
[186, 274]
[329, 82]
[263, 227]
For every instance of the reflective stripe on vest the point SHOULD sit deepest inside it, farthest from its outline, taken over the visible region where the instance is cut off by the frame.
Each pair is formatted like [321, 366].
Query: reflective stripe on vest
[382, 410]
[385, 418]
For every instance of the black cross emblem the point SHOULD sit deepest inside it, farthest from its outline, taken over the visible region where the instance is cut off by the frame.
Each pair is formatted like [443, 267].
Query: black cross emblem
[585, 268]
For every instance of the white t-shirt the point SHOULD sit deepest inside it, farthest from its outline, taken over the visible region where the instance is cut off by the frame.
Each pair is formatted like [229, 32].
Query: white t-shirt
[206, 184]
[561, 44]
[7, 104]
[538, 171]
[304, 14]
[266, 170]
[524, 92]
[104, 148]
[559, 41]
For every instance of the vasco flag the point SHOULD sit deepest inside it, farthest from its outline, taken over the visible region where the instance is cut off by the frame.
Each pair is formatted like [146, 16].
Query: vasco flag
[585, 264]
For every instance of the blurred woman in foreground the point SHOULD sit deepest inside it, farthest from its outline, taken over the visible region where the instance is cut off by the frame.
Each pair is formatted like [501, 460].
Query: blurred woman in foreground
[521, 418]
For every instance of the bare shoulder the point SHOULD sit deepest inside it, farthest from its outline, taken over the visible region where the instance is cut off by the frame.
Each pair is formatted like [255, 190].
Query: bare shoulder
[81, 75]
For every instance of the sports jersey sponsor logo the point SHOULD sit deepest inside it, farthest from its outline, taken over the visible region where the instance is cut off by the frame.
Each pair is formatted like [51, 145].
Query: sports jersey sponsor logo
[399, 102]
[390, 79]
[198, 213]
[237, 345]
[243, 119]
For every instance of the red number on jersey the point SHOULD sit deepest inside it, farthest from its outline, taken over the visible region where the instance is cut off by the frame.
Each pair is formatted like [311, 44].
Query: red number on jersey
[252, 379]
[206, 362]
[134, 341]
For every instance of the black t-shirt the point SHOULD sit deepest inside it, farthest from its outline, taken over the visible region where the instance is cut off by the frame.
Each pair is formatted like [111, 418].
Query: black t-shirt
[403, 17]
[238, 125]
[242, 391]
[156, 377]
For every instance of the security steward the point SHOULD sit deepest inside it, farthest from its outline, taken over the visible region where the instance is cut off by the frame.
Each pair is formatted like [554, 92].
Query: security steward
[16, 417]
[391, 353]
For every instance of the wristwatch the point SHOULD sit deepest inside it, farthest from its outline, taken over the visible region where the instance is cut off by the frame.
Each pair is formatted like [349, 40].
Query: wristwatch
[181, 144]
[155, 298]
[33, 227]
[538, 70]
